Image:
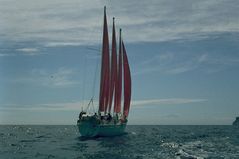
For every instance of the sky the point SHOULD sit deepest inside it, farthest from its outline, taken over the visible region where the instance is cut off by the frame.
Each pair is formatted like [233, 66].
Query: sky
[183, 55]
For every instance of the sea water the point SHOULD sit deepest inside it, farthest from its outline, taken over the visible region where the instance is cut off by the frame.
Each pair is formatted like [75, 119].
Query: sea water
[141, 142]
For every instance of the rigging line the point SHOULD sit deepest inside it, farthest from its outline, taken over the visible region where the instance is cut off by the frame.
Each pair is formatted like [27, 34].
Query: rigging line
[94, 49]
[98, 50]
[91, 101]
[84, 82]
[93, 106]
[94, 82]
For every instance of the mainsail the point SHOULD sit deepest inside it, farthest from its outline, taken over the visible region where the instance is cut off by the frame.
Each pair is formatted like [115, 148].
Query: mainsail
[104, 81]
[111, 74]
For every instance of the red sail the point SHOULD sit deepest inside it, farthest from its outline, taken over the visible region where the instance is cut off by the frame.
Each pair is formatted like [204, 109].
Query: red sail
[127, 83]
[118, 91]
[104, 81]
[113, 74]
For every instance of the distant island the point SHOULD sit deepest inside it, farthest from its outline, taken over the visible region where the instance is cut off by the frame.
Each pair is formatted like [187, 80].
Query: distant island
[236, 122]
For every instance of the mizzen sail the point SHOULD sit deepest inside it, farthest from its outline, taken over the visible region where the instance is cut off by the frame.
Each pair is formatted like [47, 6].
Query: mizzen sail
[127, 83]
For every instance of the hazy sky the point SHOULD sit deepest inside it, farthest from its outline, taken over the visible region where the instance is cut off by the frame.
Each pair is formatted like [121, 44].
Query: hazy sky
[184, 58]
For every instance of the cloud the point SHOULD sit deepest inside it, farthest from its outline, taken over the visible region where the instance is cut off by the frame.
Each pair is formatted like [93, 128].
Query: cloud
[179, 70]
[173, 63]
[78, 105]
[63, 77]
[28, 51]
[54, 23]
[203, 58]
[171, 116]
[20, 51]
[3, 55]
[66, 106]
[169, 101]
[169, 63]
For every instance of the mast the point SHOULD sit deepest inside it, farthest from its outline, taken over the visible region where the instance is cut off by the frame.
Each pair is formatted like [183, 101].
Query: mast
[127, 83]
[113, 73]
[118, 91]
[104, 80]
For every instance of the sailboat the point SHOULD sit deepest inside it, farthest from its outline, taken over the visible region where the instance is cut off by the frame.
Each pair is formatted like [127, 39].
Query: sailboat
[115, 85]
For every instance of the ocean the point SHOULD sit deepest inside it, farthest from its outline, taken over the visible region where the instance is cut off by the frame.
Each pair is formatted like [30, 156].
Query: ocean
[140, 142]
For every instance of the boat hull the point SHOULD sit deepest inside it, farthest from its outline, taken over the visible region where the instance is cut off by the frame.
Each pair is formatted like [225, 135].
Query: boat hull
[94, 128]
[236, 122]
